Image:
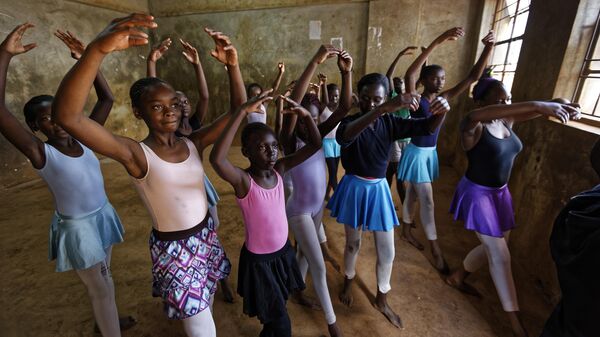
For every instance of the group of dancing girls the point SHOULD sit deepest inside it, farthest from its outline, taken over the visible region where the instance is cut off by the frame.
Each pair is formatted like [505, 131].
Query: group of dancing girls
[188, 260]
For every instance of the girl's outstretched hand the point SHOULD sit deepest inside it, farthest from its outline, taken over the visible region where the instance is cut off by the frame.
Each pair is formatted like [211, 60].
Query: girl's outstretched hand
[123, 33]
[190, 53]
[253, 104]
[13, 43]
[489, 39]
[408, 50]
[344, 61]
[405, 100]
[452, 34]
[562, 112]
[325, 52]
[281, 67]
[439, 106]
[157, 52]
[224, 51]
[294, 108]
[74, 44]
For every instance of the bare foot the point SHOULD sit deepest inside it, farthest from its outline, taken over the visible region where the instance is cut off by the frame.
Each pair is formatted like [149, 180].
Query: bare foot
[299, 298]
[383, 307]
[408, 237]
[441, 265]
[462, 286]
[125, 323]
[226, 289]
[334, 330]
[346, 295]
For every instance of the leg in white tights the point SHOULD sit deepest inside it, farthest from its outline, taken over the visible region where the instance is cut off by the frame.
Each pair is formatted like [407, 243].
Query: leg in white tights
[200, 325]
[310, 257]
[102, 298]
[498, 257]
[424, 193]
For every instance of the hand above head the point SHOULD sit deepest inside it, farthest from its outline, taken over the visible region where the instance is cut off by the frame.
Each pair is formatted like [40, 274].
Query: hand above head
[281, 67]
[122, 33]
[224, 51]
[489, 39]
[322, 78]
[13, 43]
[408, 50]
[253, 104]
[157, 52]
[294, 108]
[439, 106]
[344, 61]
[452, 34]
[325, 52]
[190, 53]
[75, 45]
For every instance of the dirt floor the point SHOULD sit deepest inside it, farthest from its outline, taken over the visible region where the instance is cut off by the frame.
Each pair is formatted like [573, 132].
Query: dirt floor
[36, 301]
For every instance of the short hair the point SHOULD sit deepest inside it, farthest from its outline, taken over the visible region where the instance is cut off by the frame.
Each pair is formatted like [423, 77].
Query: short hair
[254, 128]
[253, 85]
[595, 157]
[331, 87]
[141, 86]
[429, 70]
[30, 107]
[374, 79]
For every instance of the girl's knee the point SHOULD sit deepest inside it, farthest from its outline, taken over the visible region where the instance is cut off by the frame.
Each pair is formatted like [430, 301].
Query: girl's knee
[353, 246]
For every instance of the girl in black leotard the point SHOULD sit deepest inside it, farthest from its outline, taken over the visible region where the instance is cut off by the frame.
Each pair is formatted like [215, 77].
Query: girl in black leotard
[482, 199]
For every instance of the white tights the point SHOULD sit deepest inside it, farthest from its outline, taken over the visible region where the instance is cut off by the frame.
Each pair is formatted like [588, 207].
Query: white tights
[384, 245]
[306, 231]
[101, 290]
[495, 252]
[424, 193]
[201, 324]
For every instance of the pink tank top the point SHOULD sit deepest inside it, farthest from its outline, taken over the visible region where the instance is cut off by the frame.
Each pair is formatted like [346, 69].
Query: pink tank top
[263, 211]
[173, 193]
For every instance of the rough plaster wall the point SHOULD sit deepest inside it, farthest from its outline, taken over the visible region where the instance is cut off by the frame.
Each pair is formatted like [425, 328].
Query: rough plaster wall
[396, 24]
[41, 70]
[262, 38]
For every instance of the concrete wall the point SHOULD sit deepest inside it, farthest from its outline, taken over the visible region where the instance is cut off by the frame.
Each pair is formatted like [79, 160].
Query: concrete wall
[41, 70]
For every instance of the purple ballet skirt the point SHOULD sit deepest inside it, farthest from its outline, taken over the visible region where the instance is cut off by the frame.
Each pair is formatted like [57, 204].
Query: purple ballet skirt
[486, 210]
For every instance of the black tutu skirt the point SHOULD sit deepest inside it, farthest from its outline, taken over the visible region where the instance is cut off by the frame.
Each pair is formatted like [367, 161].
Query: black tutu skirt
[266, 280]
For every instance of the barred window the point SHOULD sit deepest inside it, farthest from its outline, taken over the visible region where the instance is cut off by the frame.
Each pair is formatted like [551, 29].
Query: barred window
[587, 91]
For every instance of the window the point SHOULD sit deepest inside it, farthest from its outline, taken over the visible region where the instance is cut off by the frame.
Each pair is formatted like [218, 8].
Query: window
[587, 91]
[510, 19]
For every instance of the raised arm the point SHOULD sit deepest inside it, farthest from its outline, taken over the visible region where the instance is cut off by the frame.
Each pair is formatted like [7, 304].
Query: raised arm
[313, 142]
[413, 71]
[191, 55]
[345, 66]
[390, 72]
[277, 82]
[156, 54]
[106, 99]
[476, 71]
[355, 127]
[225, 53]
[324, 94]
[67, 108]
[10, 127]
[218, 156]
[289, 120]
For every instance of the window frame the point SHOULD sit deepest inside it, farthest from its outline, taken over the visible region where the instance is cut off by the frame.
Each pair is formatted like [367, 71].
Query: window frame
[586, 71]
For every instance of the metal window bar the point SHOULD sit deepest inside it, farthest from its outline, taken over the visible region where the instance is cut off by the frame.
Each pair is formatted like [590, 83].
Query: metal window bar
[585, 71]
[519, 11]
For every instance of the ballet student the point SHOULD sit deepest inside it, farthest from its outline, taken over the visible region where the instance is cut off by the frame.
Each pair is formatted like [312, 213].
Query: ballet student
[419, 164]
[254, 89]
[268, 271]
[167, 170]
[305, 206]
[190, 123]
[482, 199]
[397, 86]
[362, 200]
[84, 226]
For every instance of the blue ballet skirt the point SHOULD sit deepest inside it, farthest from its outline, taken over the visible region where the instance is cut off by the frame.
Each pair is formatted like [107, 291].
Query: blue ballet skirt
[419, 164]
[364, 204]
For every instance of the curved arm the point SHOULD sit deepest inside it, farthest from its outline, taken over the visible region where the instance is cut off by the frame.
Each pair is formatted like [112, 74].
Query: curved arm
[203, 95]
[313, 145]
[105, 100]
[324, 97]
[277, 82]
[150, 68]
[473, 76]
[10, 127]
[390, 72]
[508, 112]
[278, 116]
[343, 108]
